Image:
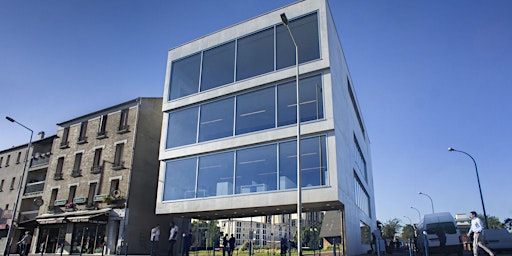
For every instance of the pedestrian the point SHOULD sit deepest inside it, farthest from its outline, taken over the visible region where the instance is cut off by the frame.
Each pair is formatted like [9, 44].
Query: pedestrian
[173, 235]
[476, 229]
[225, 244]
[187, 243]
[24, 243]
[231, 242]
[284, 245]
[155, 237]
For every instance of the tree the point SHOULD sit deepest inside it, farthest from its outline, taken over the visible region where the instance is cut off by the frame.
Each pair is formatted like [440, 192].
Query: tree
[390, 228]
[494, 222]
[407, 232]
[212, 226]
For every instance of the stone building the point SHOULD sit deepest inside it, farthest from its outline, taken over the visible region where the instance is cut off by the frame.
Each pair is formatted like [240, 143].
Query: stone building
[101, 185]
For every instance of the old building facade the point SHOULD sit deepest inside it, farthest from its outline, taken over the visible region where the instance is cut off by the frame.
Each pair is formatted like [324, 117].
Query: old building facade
[99, 192]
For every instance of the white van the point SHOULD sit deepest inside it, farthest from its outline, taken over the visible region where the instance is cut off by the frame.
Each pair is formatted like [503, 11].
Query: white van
[436, 228]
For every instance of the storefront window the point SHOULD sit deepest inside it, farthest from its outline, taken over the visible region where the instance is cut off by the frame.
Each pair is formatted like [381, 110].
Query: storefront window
[51, 239]
[88, 238]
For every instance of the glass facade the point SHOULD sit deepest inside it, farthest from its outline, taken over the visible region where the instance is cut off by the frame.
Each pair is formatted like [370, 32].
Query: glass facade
[249, 112]
[264, 51]
[269, 167]
[361, 196]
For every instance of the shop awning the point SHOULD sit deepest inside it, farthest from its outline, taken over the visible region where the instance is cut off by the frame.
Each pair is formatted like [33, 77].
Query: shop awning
[96, 216]
[100, 218]
[51, 220]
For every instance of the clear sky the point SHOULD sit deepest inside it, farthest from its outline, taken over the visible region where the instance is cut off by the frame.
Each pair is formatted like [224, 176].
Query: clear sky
[428, 75]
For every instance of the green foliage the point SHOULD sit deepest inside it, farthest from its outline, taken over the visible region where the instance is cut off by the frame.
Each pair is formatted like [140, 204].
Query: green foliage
[390, 228]
[508, 223]
[407, 232]
[494, 222]
[212, 226]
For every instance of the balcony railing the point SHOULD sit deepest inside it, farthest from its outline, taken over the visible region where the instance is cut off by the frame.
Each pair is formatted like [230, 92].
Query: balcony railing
[39, 161]
[96, 169]
[76, 173]
[28, 215]
[34, 188]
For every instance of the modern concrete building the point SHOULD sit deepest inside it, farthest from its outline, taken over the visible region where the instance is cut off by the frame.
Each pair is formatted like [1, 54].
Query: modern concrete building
[99, 192]
[228, 146]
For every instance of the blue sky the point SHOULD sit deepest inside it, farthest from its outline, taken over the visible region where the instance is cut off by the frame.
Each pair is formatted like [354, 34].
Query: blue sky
[428, 75]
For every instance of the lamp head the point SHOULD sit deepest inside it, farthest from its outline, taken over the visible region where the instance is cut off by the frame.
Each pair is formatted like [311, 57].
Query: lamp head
[284, 19]
[451, 149]
[10, 119]
[420, 193]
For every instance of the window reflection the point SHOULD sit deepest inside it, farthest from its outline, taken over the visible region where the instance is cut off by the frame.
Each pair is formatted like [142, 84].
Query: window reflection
[305, 32]
[180, 179]
[256, 169]
[216, 120]
[215, 175]
[182, 128]
[218, 66]
[255, 111]
[185, 76]
[255, 54]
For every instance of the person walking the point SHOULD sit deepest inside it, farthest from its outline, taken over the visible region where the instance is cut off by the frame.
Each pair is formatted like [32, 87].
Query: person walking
[231, 242]
[187, 243]
[225, 244]
[477, 227]
[155, 237]
[24, 243]
[173, 235]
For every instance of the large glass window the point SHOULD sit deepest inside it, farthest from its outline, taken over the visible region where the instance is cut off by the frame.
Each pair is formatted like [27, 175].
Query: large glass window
[255, 54]
[287, 165]
[256, 169]
[215, 175]
[311, 101]
[255, 111]
[182, 128]
[216, 120]
[262, 52]
[313, 162]
[185, 76]
[305, 32]
[180, 179]
[218, 66]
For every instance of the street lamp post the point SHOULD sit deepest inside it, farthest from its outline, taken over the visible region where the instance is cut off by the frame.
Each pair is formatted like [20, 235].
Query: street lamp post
[419, 214]
[431, 201]
[14, 219]
[299, 188]
[479, 187]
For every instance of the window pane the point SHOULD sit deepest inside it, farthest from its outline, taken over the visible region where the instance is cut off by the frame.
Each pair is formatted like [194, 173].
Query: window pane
[180, 179]
[256, 169]
[255, 54]
[218, 66]
[216, 120]
[311, 100]
[255, 111]
[286, 104]
[288, 165]
[182, 127]
[185, 76]
[305, 32]
[313, 162]
[215, 176]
